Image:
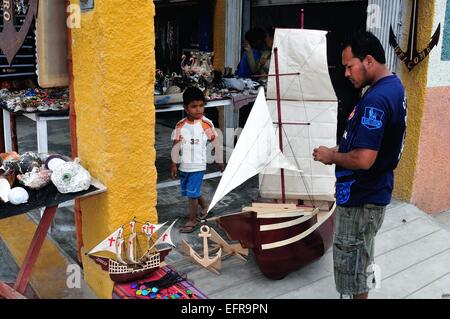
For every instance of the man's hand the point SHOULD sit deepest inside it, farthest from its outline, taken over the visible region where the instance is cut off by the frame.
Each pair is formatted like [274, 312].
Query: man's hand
[221, 166]
[247, 46]
[359, 158]
[173, 171]
[324, 154]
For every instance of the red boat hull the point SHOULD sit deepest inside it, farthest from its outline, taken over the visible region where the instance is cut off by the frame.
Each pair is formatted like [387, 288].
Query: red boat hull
[278, 262]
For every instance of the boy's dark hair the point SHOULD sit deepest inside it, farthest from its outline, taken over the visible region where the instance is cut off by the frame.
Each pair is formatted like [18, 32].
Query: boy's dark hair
[364, 43]
[193, 94]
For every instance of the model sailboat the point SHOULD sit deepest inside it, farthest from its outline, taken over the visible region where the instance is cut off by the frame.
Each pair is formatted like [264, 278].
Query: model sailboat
[134, 265]
[288, 235]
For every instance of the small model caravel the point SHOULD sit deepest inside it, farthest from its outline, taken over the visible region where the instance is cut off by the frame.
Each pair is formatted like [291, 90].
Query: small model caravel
[130, 267]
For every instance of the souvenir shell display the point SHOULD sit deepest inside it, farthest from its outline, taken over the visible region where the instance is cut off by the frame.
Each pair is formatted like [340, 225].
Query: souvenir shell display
[4, 189]
[28, 161]
[71, 177]
[36, 179]
[18, 195]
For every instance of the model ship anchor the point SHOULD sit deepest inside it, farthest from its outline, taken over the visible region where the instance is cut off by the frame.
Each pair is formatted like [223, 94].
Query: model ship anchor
[213, 263]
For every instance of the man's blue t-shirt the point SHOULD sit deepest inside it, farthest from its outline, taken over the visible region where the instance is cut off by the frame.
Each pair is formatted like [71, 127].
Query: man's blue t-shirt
[378, 122]
[244, 68]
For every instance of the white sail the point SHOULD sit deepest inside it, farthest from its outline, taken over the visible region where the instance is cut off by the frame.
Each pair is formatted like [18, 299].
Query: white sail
[109, 244]
[149, 229]
[165, 237]
[256, 150]
[131, 254]
[119, 249]
[305, 52]
[305, 98]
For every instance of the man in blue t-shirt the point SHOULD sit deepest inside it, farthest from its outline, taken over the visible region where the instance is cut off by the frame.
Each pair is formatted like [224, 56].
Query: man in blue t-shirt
[253, 46]
[365, 160]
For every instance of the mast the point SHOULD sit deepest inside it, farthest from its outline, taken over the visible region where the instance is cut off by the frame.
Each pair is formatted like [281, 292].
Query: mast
[302, 19]
[280, 122]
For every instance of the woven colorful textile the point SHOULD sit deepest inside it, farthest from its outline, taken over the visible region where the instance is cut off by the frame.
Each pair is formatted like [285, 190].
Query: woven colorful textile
[139, 290]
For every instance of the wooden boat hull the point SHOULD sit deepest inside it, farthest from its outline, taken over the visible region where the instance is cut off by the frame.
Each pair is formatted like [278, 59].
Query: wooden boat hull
[132, 275]
[277, 262]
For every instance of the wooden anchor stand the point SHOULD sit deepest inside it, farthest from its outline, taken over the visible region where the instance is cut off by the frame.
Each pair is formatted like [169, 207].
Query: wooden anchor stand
[213, 264]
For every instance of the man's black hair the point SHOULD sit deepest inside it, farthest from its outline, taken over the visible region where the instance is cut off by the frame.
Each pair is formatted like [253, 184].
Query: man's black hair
[193, 94]
[364, 43]
[256, 37]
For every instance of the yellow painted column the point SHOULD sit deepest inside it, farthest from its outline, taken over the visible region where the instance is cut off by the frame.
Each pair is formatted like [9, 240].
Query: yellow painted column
[415, 83]
[114, 67]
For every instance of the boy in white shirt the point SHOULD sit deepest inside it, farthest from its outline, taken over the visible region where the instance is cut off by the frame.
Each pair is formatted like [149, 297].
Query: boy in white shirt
[189, 139]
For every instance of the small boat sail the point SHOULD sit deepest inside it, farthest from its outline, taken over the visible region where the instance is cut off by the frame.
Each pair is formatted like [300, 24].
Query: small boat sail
[288, 235]
[127, 263]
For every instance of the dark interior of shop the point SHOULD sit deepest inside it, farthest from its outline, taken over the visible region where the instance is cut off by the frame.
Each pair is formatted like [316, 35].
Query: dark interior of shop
[181, 28]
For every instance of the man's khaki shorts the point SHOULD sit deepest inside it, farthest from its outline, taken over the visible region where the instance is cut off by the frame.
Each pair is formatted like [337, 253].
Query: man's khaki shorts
[353, 249]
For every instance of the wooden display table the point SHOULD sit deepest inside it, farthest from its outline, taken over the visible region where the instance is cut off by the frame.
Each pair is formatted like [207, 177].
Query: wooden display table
[49, 198]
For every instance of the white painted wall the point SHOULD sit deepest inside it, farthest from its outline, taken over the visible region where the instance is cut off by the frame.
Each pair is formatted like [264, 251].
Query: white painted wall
[438, 71]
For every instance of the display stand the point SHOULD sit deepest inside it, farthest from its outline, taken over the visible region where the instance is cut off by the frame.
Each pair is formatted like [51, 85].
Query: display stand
[49, 198]
[41, 119]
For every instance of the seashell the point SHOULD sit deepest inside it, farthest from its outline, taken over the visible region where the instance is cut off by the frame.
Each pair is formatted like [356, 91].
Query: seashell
[172, 90]
[43, 107]
[10, 156]
[18, 195]
[28, 161]
[54, 160]
[10, 175]
[4, 189]
[71, 177]
[11, 166]
[55, 107]
[36, 179]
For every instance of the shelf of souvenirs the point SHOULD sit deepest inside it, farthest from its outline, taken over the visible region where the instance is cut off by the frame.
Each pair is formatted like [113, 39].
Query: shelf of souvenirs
[227, 89]
[32, 179]
[37, 100]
